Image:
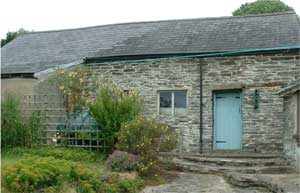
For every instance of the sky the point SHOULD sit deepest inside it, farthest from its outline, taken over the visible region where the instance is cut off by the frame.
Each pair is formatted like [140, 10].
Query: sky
[41, 15]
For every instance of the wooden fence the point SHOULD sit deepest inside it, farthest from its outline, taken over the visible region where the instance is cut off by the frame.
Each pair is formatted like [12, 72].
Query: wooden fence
[81, 132]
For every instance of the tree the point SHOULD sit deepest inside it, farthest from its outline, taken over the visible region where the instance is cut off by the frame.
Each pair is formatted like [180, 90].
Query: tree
[262, 6]
[12, 35]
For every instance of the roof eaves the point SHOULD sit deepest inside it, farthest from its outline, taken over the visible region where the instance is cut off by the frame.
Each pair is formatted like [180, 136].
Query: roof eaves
[290, 89]
[62, 66]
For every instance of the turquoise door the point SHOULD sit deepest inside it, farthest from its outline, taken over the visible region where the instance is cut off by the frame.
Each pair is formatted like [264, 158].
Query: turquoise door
[227, 121]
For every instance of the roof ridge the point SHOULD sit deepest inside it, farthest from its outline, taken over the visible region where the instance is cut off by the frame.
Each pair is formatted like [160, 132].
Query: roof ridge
[158, 21]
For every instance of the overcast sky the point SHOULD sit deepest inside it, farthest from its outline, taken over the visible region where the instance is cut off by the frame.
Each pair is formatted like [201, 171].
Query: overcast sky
[40, 15]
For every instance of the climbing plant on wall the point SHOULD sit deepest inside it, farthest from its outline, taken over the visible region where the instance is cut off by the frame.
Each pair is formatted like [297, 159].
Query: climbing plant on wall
[70, 85]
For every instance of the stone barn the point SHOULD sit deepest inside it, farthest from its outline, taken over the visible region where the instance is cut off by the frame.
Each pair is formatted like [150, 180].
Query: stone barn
[215, 80]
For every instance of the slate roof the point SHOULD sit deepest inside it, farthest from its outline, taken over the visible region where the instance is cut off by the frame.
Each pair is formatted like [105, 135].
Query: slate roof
[36, 51]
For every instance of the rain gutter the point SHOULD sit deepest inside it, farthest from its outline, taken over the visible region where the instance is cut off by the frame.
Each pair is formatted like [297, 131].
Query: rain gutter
[216, 54]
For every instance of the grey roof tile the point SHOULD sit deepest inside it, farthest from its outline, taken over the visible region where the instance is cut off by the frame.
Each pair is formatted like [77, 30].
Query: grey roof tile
[33, 52]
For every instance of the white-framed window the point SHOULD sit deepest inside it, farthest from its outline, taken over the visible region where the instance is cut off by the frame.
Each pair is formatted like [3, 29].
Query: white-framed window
[172, 102]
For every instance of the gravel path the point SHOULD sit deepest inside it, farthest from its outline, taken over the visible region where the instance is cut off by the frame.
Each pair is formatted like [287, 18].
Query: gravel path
[197, 183]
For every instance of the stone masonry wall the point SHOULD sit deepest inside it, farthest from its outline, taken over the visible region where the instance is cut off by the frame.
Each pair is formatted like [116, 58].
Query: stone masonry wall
[291, 151]
[262, 127]
[149, 78]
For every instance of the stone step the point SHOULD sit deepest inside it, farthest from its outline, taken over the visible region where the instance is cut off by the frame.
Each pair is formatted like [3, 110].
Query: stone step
[225, 154]
[215, 161]
[274, 183]
[202, 168]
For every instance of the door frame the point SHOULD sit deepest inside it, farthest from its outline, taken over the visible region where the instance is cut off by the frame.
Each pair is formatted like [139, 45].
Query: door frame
[214, 94]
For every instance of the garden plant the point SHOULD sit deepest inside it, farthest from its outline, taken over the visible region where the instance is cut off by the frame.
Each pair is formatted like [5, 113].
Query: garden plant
[133, 140]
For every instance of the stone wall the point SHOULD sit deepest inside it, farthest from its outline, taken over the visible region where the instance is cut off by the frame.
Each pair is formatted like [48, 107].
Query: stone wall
[262, 127]
[291, 150]
[149, 78]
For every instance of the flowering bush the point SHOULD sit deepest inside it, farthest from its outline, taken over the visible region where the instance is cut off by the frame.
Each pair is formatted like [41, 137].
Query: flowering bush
[147, 138]
[121, 161]
[74, 95]
[71, 88]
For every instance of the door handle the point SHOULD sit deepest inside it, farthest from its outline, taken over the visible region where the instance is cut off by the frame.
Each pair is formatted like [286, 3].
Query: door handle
[220, 141]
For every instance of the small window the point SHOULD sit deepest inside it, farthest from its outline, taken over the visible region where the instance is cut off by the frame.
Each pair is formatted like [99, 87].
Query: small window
[172, 102]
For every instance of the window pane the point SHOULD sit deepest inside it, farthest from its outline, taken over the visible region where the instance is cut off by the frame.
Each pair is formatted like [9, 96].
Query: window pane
[165, 99]
[165, 105]
[179, 102]
[180, 99]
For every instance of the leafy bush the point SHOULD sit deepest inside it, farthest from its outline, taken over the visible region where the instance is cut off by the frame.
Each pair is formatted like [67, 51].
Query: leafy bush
[70, 85]
[12, 130]
[34, 173]
[71, 88]
[33, 128]
[121, 161]
[15, 130]
[117, 185]
[147, 138]
[48, 174]
[132, 186]
[73, 154]
[89, 183]
[113, 107]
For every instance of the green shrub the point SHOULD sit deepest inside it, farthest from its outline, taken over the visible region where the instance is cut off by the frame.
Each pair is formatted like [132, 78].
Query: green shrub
[48, 174]
[51, 189]
[114, 184]
[30, 174]
[17, 131]
[112, 108]
[86, 187]
[33, 128]
[147, 138]
[73, 154]
[130, 186]
[12, 131]
[80, 173]
[121, 161]
[117, 185]
[70, 85]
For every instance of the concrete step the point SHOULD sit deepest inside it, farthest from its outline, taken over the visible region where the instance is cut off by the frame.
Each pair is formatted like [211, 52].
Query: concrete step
[213, 169]
[216, 161]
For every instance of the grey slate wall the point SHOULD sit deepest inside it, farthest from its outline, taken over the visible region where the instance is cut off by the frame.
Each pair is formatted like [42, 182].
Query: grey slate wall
[262, 127]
